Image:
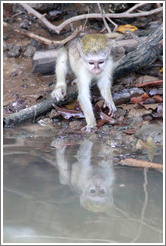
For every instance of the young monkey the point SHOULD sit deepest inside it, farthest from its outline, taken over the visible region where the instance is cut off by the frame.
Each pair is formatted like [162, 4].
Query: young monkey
[89, 59]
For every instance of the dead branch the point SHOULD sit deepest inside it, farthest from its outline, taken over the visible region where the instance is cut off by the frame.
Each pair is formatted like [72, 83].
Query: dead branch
[42, 39]
[60, 27]
[152, 83]
[145, 54]
[135, 7]
[141, 163]
[39, 109]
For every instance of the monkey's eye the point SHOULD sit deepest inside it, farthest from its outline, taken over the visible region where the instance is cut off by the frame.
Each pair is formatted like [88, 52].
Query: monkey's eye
[91, 63]
[101, 62]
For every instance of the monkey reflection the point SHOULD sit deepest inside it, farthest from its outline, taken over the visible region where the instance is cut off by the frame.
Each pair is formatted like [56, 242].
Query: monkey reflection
[91, 177]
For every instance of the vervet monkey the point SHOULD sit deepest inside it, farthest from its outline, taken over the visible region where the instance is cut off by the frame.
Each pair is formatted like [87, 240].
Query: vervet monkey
[89, 59]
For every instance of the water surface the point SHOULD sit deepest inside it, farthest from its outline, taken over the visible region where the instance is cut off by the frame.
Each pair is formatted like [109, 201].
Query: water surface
[69, 190]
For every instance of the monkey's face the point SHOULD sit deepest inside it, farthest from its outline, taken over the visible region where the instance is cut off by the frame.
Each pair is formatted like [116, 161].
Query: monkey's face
[96, 63]
[96, 67]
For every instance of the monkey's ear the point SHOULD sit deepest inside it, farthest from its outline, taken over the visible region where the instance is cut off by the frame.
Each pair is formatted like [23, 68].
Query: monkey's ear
[110, 46]
[80, 49]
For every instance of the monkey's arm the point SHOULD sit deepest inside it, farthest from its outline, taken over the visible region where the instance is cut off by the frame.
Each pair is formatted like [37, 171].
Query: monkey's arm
[84, 99]
[104, 85]
[61, 71]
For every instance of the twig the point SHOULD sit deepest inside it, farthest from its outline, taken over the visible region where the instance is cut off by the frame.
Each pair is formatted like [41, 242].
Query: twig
[103, 17]
[60, 27]
[112, 22]
[135, 7]
[152, 83]
[140, 163]
[19, 13]
[86, 20]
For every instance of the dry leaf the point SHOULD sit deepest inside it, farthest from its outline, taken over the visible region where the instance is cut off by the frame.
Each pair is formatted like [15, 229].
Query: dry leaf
[150, 106]
[124, 28]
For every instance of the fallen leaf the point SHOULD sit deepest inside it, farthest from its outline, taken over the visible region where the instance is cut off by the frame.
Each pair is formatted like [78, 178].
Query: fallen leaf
[124, 28]
[135, 100]
[138, 112]
[146, 79]
[160, 109]
[132, 131]
[150, 106]
[67, 114]
[139, 99]
[107, 118]
[159, 112]
[144, 96]
[158, 98]
[73, 105]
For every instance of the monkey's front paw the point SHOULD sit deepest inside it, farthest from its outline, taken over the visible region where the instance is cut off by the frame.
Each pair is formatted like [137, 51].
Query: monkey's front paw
[111, 107]
[59, 94]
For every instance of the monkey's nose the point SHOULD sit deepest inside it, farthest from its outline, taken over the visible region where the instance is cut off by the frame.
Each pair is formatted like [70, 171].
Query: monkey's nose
[97, 71]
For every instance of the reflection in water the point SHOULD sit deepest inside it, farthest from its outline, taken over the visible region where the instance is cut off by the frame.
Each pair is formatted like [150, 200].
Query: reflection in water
[62, 191]
[91, 179]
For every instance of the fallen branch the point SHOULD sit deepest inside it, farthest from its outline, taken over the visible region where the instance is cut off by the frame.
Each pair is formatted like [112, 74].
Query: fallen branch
[42, 39]
[136, 6]
[39, 109]
[144, 54]
[60, 27]
[141, 163]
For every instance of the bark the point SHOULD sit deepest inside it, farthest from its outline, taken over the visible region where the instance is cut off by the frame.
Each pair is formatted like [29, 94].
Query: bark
[145, 54]
[39, 109]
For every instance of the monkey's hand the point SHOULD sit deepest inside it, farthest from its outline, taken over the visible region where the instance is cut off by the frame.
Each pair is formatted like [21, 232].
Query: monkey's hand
[89, 129]
[59, 93]
[111, 107]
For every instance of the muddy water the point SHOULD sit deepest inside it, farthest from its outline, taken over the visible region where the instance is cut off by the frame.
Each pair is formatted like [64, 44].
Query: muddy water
[72, 190]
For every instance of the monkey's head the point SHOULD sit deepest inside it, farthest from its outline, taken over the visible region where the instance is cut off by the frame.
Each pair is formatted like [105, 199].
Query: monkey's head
[95, 50]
